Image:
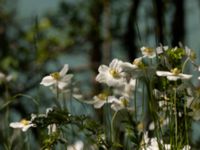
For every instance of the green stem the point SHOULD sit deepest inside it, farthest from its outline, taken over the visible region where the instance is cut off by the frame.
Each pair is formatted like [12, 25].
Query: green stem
[184, 64]
[186, 126]
[135, 99]
[112, 127]
[175, 119]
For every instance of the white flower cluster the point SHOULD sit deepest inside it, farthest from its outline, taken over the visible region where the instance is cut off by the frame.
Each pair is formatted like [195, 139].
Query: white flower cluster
[118, 76]
[155, 144]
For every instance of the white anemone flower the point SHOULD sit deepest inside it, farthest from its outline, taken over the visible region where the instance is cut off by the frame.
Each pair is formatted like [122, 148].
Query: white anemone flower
[148, 52]
[60, 79]
[23, 124]
[101, 99]
[127, 90]
[187, 147]
[190, 53]
[152, 143]
[120, 103]
[111, 75]
[174, 75]
[5, 78]
[78, 145]
[161, 49]
[137, 64]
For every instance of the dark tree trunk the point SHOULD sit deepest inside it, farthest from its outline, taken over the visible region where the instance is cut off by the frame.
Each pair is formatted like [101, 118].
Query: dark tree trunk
[178, 28]
[159, 17]
[130, 34]
[96, 10]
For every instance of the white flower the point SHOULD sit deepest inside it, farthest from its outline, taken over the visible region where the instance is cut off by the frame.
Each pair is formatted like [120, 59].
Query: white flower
[52, 128]
[101, 99]
[127, 90]
[77, 146]
[148, 52]
[112, 75]
[186, 147]
[152, 143]
[23, 124]
[133, 67]
[190, 53]
[4, 78]
[161, 49]
[59, 79]
[162, 122]
[174, 75]
[120, 103]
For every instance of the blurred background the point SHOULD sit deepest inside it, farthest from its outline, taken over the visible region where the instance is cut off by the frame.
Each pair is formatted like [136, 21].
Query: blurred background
[38, 37]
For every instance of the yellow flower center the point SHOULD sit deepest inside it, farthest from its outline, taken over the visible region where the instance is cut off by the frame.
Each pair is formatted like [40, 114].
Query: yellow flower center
[140, 126]
[125, 102]
[148, 50]
[114, 73]
[102, 96]
[175, 71]
[138, 63]
[196, 106]
[55, 75]
[193, 55]
[24, 122]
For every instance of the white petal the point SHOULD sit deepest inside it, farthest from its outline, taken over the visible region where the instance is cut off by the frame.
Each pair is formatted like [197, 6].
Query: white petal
[16, 125]
[185, 76]
[101, 78]
[163, 73]
[48, 80]
[2, 76]
[116, 82]
[67, 78]
[103, 69]
[25, 128]
[173, 78]
[126, 66]
[61, 85]
[99, 104]
[64, 70]
[114, 63]
[79, 145]
[152, 126]
[112, 99]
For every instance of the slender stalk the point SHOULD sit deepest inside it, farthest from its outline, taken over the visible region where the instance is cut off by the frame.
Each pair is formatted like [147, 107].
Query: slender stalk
[112, 127]
[184, 64]
[135, 99]
[175, 119]
[186, 126]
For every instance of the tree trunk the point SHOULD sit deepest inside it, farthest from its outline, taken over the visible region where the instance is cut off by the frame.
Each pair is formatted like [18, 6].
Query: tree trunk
[159, 17]
[130, 34]
[178, 28]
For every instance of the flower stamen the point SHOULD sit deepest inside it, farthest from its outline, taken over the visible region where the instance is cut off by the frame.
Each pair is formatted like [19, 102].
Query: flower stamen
[175, 71]
[102, 96]
[114, 73]
[24, 122]
[55, 75]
